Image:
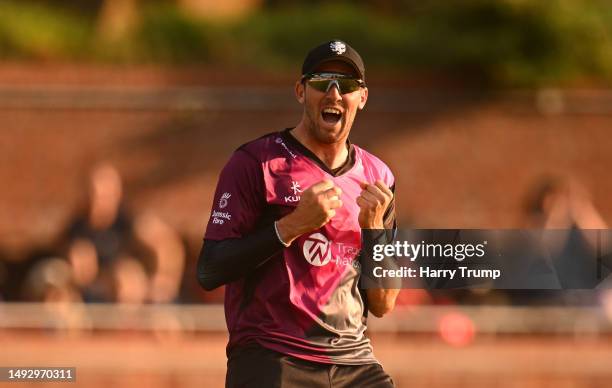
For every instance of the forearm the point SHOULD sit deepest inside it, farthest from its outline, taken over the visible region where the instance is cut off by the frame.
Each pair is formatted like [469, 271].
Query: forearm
[289, 228]
[224, 261]
[381, 292]
[381, 301]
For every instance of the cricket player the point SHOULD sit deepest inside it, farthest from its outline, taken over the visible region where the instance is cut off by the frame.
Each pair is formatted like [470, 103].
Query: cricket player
[287, 236]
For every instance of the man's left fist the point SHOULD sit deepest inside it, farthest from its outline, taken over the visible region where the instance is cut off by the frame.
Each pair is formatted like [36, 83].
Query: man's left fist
[373, 202]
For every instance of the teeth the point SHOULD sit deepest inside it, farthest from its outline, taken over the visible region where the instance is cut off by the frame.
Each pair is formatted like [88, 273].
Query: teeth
[331, 110]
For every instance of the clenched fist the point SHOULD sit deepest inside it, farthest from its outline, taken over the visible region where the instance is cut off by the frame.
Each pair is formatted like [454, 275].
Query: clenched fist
[373, 202]
[316, 208]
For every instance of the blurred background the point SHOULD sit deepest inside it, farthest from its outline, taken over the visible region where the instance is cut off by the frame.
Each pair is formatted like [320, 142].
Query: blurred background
[116, 117]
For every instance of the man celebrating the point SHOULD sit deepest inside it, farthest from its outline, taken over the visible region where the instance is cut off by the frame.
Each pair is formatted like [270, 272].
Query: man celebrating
[287, 238]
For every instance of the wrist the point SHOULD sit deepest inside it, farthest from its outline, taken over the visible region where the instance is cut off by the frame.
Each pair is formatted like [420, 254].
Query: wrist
[278, 236]
[372, 225]
[286, 230]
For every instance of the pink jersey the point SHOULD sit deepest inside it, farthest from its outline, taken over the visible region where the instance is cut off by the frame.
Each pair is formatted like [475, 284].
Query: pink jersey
[305, 301]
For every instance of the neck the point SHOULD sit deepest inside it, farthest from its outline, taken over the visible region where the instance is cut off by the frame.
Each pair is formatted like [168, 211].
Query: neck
[332, 154]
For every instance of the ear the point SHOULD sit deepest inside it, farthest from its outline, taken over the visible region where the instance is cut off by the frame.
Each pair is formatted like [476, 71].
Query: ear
[364, 97]
[299, 92]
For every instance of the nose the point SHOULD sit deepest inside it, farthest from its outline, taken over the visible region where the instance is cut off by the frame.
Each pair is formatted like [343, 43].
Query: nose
[333, 90]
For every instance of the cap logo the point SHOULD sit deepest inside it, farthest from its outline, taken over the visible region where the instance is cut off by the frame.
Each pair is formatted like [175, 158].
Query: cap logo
[337, 47]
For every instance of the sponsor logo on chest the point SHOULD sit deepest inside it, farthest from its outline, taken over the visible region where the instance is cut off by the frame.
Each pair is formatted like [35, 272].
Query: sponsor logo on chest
[296, 190]
[319, 251]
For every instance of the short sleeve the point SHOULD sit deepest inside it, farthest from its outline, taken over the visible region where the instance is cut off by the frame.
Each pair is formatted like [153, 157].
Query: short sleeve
[389, 219]
[239, 198]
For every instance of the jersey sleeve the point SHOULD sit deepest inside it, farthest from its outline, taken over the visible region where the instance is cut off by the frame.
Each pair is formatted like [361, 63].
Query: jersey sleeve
[239, 198]
[390, 219]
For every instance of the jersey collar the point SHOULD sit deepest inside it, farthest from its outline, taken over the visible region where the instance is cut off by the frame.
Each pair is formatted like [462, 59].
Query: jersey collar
[346, 166]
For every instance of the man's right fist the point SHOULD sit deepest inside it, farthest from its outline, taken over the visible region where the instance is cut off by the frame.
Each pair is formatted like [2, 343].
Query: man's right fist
[316, 208]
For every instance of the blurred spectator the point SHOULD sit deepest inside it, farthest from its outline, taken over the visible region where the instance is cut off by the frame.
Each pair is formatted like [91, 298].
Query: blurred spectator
[17, 269]
[554, 202]
[117, 258]
[564, 208]
[98, 235]
[168, 256]
[50, 280]
[130, 281]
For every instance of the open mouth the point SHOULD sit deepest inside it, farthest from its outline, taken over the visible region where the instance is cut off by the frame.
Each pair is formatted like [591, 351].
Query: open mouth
[331, 115]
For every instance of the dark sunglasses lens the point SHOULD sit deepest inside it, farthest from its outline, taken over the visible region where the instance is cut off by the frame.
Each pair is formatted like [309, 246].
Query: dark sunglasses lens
[346, 85]
[320, 85]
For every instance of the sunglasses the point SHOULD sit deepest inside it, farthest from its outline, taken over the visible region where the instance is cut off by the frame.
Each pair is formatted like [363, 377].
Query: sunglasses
[324, 81]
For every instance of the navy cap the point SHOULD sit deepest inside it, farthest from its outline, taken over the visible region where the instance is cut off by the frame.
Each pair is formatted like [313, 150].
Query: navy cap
[334, 50]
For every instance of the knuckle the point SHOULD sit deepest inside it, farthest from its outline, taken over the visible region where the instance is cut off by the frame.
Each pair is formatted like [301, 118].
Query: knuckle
[320, 199]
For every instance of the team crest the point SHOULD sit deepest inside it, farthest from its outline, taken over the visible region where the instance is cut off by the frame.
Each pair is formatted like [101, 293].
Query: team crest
[337, 47]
